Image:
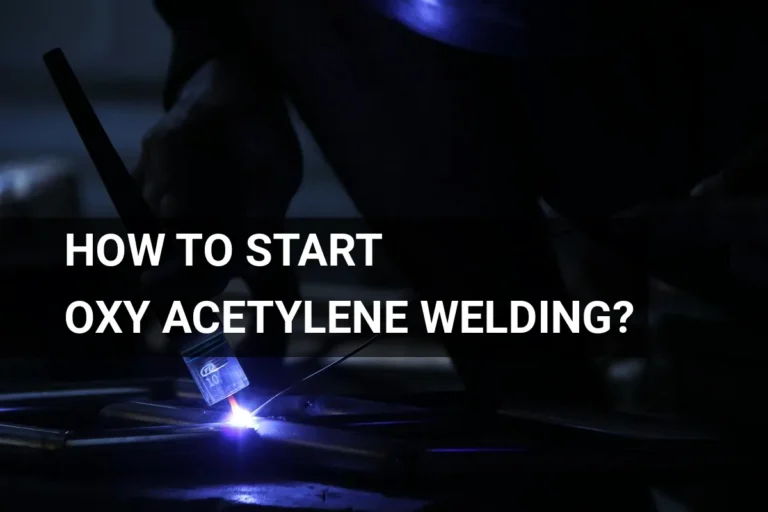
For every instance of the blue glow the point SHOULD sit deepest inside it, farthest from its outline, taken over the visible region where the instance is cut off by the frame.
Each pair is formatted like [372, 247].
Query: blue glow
[429, 12]
[241, 418]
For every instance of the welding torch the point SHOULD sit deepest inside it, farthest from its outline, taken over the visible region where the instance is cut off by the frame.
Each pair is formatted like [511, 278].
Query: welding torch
[209, 358]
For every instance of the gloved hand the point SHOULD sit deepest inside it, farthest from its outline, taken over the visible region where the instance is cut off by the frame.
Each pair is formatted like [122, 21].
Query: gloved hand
[193, 162]
[224, 156]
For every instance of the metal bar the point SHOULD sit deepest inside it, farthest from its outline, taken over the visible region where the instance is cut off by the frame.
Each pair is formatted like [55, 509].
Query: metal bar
[68, 392]
[323, 438]
[20, 436]
[302, 405]
[160, 414]
[143, 435]
[336, 448]
[410, 423]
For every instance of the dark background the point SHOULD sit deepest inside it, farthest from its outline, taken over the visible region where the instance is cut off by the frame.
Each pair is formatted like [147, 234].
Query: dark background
[119, 50]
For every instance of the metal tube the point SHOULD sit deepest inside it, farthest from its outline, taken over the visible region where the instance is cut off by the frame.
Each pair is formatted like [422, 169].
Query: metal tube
[106, 390]
[20, 436]
[160, 414]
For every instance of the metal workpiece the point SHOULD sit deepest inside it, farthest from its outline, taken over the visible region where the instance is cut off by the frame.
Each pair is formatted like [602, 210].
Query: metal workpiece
[160, 414]
[329, 405]
[316, 406]
[334, 448]
[33, 438]
[308, 444]
[299, 404]
[107, 391]
[25, 437]
[133, 437]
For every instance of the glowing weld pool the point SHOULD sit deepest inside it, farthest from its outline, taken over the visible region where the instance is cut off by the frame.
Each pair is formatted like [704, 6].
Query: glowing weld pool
[239, 417]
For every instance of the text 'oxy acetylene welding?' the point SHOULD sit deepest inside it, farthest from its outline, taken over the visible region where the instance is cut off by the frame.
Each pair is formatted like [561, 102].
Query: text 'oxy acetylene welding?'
[339, 316]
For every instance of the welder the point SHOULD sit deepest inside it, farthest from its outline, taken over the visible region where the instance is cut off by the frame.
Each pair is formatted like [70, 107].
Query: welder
[453, 116]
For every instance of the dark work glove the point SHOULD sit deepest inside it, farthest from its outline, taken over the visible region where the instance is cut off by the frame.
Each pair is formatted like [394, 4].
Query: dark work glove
[224, 160]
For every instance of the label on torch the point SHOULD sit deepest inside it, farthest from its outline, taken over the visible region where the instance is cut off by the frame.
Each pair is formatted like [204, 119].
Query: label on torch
[214, 368]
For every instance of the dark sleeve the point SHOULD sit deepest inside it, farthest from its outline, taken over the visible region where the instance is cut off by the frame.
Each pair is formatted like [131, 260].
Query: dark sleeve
[201, 30]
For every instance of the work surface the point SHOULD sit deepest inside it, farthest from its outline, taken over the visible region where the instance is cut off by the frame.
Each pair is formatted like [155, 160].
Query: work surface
[293, 495]
[151, 446]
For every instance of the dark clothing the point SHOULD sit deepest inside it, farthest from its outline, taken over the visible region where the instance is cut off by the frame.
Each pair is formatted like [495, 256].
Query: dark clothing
[416, 129]
[676, 88]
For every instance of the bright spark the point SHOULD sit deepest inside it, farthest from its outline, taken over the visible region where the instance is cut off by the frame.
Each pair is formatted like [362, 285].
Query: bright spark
[240, 417]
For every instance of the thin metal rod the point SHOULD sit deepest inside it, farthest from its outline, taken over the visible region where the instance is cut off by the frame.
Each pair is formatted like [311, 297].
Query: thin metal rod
[312, 375]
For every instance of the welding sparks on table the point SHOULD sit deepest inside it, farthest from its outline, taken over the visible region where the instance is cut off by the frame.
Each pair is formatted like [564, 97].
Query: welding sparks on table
[240, 417]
